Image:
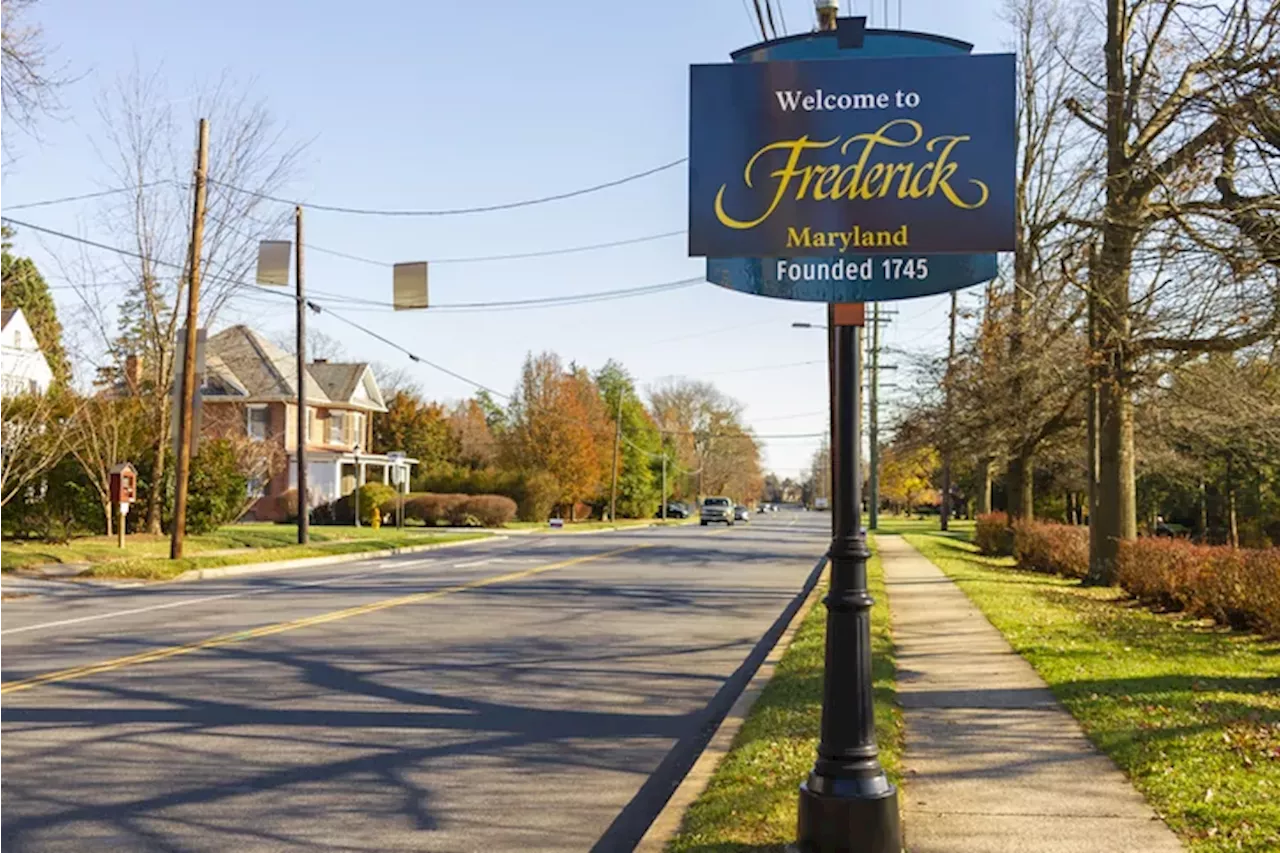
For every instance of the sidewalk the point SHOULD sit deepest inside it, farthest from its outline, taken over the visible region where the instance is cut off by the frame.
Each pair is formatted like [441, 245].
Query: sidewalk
[993, 763]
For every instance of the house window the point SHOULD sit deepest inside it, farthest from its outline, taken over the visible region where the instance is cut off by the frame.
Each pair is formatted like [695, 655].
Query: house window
[17, 339]
[256, 422]
[357, 428]
[337, 426]
[256, 486]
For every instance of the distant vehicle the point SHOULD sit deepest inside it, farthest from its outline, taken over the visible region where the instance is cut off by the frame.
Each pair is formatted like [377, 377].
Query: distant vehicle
[820, 503]
[717, 510]
[676, 509]
[741, 513]
[763, 508]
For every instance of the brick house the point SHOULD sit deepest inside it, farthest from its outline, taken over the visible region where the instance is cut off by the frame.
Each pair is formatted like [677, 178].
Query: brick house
[250, 390]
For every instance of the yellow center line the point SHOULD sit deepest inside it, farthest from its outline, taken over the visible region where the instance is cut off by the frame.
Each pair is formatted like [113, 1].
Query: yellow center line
[293, 625]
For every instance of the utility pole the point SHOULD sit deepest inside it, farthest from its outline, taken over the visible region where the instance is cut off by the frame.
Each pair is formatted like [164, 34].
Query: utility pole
[186, 402]
[617, 447]
[873, 418]
[947, 427]
[664, 484]
[304, 422]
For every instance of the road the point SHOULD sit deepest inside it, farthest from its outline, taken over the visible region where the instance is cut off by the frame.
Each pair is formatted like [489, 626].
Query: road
[541, 693]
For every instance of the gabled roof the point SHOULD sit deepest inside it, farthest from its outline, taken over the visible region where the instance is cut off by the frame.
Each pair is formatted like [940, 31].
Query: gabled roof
[239, 362]
[7, 316]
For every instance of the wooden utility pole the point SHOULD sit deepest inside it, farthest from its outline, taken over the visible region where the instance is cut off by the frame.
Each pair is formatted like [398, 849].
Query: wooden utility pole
[304, 422]
[947, 427]
[617, 446]
[664, 484]
[186, 400]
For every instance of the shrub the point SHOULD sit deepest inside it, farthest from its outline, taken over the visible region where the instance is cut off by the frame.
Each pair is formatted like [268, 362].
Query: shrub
[374, 497]
[429, 508]
[482, 511]
[535, 492]
[993, 536]
[287, 506]
[1055, 549]
[1234, 587]
[217, 487]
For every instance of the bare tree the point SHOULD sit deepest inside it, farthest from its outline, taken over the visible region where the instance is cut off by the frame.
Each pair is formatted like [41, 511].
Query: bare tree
[34, 426]
[149, 150]
[105, 432]
[1186, 226]
[28, 86]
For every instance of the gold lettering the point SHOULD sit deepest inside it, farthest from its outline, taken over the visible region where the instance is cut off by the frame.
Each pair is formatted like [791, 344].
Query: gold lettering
[945, 170]
[784, 176]
[798, 239]
[862, 179]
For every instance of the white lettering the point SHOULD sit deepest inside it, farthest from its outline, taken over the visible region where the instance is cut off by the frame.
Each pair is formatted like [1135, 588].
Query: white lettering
[788, 100]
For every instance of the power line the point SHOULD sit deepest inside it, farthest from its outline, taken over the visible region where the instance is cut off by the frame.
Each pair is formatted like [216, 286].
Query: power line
[476, 259]
[456, 211]
[380, 305]
[83, 197]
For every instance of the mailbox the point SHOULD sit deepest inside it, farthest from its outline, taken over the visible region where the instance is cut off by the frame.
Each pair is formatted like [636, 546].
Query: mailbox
[124, 484]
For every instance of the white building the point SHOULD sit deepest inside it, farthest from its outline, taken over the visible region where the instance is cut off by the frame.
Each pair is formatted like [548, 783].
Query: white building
[23, 366]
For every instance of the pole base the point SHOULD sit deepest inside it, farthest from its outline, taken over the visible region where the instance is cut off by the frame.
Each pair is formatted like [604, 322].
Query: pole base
[866, 823]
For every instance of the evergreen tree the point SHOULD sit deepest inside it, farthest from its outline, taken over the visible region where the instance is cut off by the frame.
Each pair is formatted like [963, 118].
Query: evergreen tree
[25, 288]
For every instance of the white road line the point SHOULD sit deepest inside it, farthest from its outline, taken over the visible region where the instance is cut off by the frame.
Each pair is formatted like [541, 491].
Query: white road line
[227, 595]
[472, 563]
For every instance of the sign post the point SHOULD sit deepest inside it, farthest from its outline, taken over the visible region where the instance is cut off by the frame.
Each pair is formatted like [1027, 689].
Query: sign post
[885, 174]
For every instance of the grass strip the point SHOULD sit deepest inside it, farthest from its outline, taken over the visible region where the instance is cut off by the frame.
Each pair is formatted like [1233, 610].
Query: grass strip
[750, 803]
[1190, 711]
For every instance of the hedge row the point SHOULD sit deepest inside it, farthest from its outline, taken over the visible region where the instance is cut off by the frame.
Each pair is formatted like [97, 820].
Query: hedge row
[1236, 587]
[460, 510]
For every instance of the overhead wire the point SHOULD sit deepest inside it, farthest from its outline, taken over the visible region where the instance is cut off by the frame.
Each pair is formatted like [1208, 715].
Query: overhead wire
[454, 211]
[83, 196]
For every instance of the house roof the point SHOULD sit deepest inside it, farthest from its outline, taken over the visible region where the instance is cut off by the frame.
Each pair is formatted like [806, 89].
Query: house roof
[239, 362]
[7, 316]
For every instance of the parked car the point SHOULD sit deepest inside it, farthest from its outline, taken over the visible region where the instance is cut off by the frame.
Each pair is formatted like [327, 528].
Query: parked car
[676, 509]
[741, 513]
[718, 510]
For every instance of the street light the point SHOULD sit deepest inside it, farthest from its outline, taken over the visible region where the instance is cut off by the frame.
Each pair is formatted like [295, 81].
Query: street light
[807, 326]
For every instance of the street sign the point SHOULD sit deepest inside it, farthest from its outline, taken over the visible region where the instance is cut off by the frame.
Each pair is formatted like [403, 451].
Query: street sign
[860, 278]
[889, 155]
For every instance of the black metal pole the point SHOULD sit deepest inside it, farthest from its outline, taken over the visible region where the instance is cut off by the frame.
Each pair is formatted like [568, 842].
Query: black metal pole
[848, 805]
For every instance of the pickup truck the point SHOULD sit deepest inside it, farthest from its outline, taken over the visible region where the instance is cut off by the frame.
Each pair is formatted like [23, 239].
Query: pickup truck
[717, 509]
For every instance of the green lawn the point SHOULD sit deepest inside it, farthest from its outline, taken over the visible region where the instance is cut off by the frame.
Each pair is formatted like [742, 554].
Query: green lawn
[1191, 713]
[750, 803]
[146, 556]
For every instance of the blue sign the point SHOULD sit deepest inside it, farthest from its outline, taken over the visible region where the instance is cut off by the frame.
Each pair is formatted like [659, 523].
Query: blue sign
[855, 278]
[852, 157]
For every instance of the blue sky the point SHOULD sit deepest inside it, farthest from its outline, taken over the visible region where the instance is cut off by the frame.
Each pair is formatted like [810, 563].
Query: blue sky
[443, 103]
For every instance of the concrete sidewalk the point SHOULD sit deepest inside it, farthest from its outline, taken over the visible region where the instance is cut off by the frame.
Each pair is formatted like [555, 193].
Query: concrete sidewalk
[993, 763]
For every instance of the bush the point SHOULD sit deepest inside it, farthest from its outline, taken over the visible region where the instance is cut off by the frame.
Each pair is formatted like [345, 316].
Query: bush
[993, 536]
[374, 497]
[1234, 587]
[535, 492]
[482, 511]
[431, 509]
[287, 507]
[217, 488]
[1055, 549]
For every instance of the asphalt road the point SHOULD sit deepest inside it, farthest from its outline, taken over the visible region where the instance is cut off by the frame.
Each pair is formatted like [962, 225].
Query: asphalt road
[542, 693]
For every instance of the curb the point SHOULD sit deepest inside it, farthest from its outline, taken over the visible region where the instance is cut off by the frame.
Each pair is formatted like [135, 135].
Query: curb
[667, 823]
[306, 562]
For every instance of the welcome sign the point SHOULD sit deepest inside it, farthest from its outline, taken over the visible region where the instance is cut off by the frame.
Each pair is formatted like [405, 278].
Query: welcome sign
[852, 157]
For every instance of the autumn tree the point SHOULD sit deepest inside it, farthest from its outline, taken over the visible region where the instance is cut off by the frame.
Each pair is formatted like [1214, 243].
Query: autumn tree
[908, 476]
[417, 428]
[557, 423]
[705, 430]
[473, 440]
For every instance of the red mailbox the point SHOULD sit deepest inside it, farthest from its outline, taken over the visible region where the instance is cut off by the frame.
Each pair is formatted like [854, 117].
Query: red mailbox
[124, 484]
